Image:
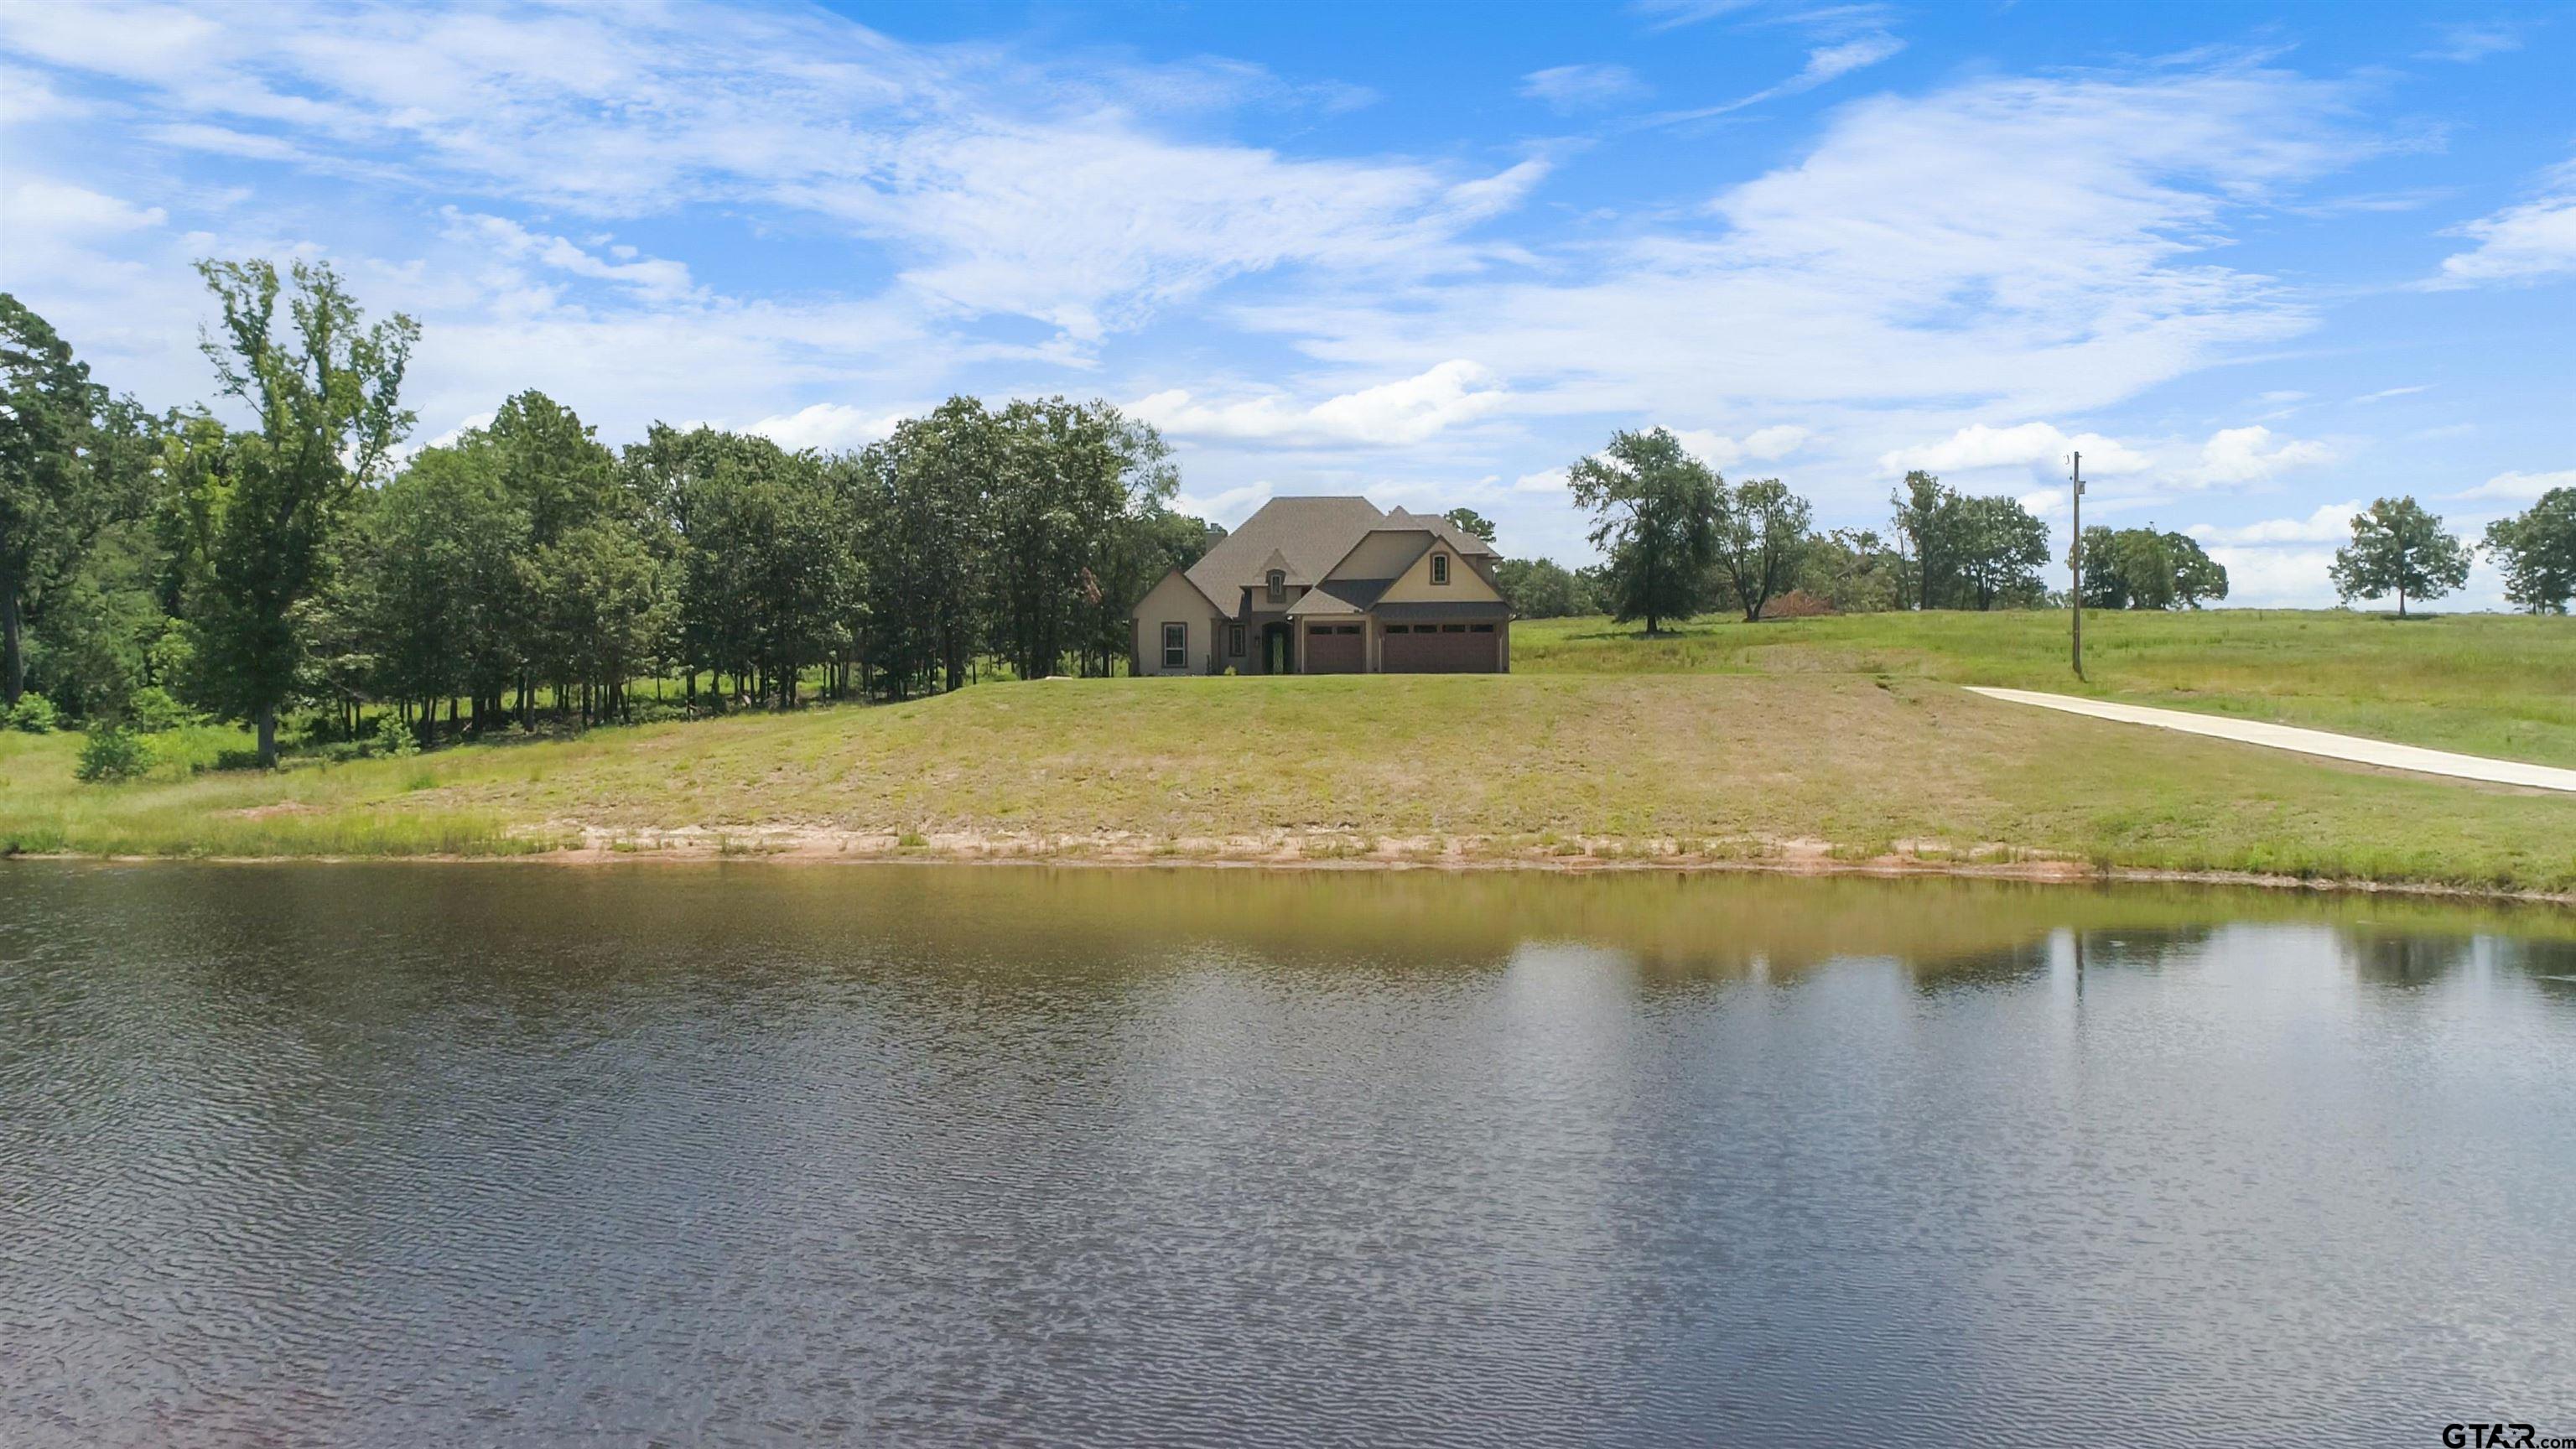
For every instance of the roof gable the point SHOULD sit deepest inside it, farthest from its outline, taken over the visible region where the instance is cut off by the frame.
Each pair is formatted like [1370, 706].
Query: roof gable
[1308, 534]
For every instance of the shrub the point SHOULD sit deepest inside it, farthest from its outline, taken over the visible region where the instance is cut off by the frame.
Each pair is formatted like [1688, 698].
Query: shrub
[153, 710]
[113, 752]
[1798, 604]
[236, 759]
[34, 714]
[393, 739]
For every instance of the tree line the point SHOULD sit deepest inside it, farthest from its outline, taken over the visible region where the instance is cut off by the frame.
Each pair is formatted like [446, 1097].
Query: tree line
[157, 565]
[1678, 540]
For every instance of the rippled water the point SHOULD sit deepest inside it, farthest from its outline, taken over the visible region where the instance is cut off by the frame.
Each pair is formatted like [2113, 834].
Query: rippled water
[732, 1155]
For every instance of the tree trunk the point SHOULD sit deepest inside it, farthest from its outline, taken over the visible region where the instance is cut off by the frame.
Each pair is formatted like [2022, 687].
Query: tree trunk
[2401, 601]
[14, 679]
[267, 722]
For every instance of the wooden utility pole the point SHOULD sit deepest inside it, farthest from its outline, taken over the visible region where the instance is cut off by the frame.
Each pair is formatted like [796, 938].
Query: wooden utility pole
[2075, 557]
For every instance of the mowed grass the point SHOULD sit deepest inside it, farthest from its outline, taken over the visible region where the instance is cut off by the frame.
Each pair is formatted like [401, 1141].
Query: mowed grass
[2483, 684]
[1525, 764]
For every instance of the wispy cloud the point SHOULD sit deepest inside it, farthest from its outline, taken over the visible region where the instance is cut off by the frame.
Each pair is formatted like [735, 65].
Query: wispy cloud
[2533, 242]
[1388, 415]
[1571, 88]
[2469, 42]
[2517, 487]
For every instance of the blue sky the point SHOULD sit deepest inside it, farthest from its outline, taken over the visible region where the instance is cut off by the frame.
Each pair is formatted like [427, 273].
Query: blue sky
[2259, 262]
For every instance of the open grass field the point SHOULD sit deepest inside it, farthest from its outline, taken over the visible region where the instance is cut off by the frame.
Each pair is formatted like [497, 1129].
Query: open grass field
[1808, 762]
[2483, 684]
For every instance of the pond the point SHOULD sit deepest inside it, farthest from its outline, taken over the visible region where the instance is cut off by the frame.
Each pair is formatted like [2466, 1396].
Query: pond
[751, 1153]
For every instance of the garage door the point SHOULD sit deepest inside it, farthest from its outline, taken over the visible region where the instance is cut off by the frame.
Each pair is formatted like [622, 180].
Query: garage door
[1335, 649]
[1438, 649]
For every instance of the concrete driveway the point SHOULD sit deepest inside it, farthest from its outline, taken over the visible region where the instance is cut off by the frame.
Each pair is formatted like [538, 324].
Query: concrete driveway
[2307, 742]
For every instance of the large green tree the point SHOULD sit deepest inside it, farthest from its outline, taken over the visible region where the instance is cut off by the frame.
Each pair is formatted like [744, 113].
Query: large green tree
[1540, 588]
[1655, 511]
[72, 462]
[2399, 548]
[2000, 551]
[325, 389]
[2141, 568]
[1761, 539]
[2536, 549]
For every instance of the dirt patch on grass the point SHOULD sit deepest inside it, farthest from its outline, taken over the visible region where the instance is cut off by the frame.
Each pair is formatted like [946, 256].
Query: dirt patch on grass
[271, 812]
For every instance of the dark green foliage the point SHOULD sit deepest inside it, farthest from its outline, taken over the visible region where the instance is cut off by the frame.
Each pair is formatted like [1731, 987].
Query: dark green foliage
[2140, 568]
[326, 395]
[2398, 548]
[1656, 510]
[1468, 520]
[1965, 551]
[1541, 588]
[2537, 551]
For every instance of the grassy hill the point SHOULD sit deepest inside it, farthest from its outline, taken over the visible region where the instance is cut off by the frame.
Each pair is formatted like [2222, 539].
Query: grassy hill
[1791, 741]
[2487, 684]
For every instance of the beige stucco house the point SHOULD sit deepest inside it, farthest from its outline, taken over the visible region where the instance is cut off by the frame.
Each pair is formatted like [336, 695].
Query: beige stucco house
[1330, 586]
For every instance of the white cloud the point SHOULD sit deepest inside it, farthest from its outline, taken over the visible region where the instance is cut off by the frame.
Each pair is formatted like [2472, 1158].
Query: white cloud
[2253, 455]
[2004, 245]
[2386, 393]
[2518, 487]
[1000, 186]
[1391, 414]
[1761, 445]
[1569, 88]
[59, 210]
[653, 278]
[1551, 480]
[1230, 507]
[2281, 578]
[828, 427]
[2534, 242]
[2040, 447]
[2330, 523]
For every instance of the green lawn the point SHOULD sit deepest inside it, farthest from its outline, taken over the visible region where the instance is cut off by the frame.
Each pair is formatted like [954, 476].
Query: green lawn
[2487, 684]
[1705, 766]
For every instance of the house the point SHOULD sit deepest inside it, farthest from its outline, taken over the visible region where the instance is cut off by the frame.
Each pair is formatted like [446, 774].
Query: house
[1330, 586]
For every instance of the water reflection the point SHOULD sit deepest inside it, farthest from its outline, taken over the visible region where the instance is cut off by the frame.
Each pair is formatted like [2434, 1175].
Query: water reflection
[737, 1155]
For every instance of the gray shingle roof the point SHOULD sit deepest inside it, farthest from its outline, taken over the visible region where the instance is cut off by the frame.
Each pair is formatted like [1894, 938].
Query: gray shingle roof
[1311, 534]
[1457, 538]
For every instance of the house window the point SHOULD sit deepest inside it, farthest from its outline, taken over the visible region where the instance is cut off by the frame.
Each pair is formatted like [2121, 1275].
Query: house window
[1234, 641]
[1176, 646]
[1399, 628]
[1453, 628]
[1481, 629]
[1440, 568]
[1278, 585]
[1346, 628]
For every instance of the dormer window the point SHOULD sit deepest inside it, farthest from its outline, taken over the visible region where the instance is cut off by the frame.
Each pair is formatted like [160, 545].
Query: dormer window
[1278, 585]
[1440, 568]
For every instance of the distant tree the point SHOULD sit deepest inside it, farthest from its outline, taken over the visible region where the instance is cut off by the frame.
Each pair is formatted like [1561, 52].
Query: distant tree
[1854, 570]
[1655, 509]
[921, 499]
[2140, 568]
[1539, 588]
[2000, 550]
[1761, 538]
[2537, 551]
[1468, 520]
[1928, 525]
[2399, 548]
[327, 400]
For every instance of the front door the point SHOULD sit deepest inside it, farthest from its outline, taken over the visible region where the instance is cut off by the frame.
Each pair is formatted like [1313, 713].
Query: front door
[1276, 654]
